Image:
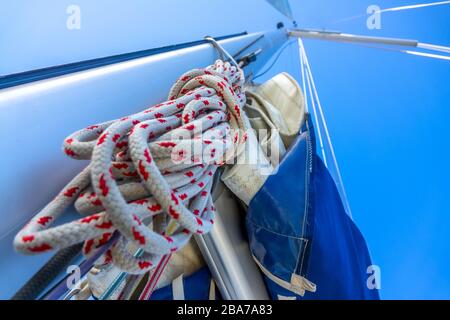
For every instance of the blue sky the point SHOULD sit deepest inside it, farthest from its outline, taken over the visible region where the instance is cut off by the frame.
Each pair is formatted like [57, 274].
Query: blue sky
[388, 116]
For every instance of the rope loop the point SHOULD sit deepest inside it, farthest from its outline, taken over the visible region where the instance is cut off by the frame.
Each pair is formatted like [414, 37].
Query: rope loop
[156, 163]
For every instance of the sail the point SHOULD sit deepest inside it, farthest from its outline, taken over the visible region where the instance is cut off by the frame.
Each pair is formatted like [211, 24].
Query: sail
[283, 6]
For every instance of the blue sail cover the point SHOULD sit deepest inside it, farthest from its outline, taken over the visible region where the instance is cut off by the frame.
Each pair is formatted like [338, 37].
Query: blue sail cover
[298, 229]
[195, 287]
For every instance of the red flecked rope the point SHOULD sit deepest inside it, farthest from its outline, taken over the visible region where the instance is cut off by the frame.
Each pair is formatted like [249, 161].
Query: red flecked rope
[144, 165]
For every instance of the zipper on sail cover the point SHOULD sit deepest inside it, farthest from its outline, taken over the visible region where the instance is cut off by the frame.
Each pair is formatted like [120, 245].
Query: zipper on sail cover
[297, 275]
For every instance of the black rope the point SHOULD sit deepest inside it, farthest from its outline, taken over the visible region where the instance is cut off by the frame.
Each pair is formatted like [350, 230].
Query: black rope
[40, 281]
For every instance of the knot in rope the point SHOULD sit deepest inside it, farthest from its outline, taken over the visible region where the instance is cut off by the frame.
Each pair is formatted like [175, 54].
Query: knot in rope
[158, 163]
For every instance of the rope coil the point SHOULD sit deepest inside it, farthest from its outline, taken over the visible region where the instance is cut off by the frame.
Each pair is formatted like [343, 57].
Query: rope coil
[160, 161]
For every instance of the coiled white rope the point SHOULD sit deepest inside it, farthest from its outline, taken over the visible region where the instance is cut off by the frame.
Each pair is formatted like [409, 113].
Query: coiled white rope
[159, 161]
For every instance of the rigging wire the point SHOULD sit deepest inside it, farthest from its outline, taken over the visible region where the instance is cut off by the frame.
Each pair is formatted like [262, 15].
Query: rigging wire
[311, 96]
[412, 52]
[425, 54]
[433, 47]
[280, 51]
[302, 66]
[339, 181]
[415, 6]
[353, 38]
[393, 9]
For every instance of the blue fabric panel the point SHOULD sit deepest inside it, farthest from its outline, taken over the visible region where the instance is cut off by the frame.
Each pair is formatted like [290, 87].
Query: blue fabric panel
[196, 287]
[277, 216]
[339, 256]
[297, 224]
